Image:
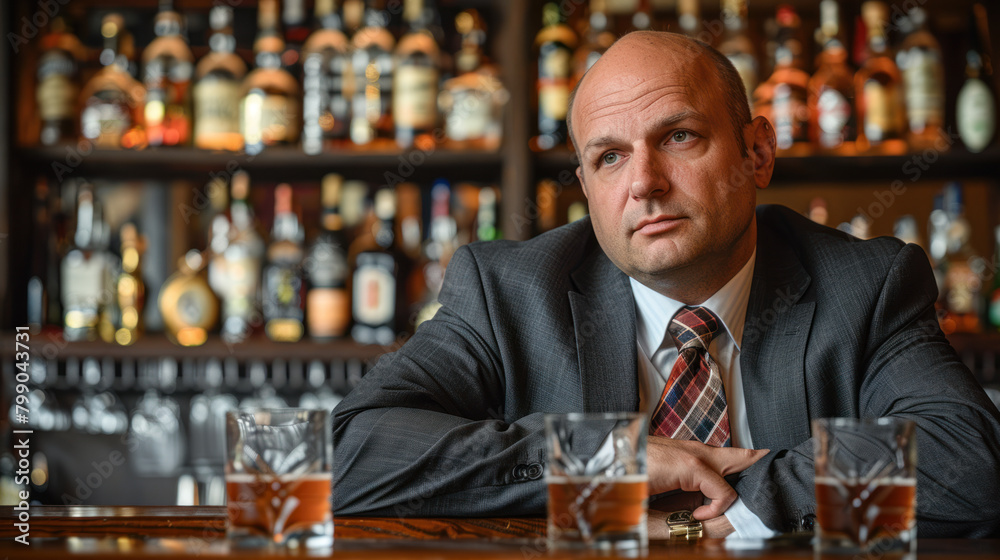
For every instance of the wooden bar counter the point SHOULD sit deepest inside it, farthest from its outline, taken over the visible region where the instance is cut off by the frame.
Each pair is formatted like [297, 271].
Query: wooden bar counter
[183, 532]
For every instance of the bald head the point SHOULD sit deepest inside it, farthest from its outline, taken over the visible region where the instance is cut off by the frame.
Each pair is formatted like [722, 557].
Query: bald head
[633, 55]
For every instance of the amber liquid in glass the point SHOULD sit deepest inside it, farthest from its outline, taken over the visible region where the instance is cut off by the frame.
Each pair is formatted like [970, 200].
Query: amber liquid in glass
[580, 510]
[277, 506]
[865, 513]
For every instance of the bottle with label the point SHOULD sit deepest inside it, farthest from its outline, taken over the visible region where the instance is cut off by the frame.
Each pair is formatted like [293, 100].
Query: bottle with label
[187, 304]
[736, 43]
[327, 83]
[437, 251]
[58, 90]
[598, 39]
[878, 87]
[473, 101]
[962, 285]
[113, 101]
[783, 98]
[415, 80]
[130, 289]
[85, 271]
[377, 300]
[328, 303]
[283, 286]
[269, 111]
[555, 43]
[831, 90]
[216, 94]
[976, 106]
[168, 65]
[920, 61]
[240, 254]
[372, 62]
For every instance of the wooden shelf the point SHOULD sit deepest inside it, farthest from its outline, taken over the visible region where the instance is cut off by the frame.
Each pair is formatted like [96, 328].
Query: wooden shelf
[279, 163]
[52, 345]
[954, 164]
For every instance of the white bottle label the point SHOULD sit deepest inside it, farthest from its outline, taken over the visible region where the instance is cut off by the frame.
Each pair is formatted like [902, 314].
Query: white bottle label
[976, 115]
[374, 295]
[414, 100]
[922, 74]
[834, 114]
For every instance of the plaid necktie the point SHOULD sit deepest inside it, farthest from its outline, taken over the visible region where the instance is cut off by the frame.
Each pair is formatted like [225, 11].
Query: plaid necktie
[693, 405]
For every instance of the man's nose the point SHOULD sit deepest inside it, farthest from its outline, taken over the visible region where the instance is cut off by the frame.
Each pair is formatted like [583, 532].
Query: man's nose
[647, 177]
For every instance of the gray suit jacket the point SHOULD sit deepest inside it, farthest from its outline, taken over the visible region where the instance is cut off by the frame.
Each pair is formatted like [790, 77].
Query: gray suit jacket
[451, 423]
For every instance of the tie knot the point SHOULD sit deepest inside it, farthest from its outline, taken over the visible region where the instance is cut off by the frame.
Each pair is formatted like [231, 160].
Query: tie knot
[693, 327]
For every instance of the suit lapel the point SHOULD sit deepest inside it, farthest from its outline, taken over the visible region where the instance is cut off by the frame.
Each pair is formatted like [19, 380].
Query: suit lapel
[772, 355]
[604, 324]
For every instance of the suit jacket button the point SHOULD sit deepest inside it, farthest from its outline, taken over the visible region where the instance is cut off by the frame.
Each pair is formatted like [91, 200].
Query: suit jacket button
[808, 522]
[520, 473]
[534, 471]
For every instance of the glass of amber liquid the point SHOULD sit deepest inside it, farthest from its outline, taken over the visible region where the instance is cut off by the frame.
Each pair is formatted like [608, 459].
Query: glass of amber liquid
[279, 477]
[866, 485]
[597, 481]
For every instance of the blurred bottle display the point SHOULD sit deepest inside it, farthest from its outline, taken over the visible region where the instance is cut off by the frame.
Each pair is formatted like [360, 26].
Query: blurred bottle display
[976, 105]
[85, 271]
[440, 245]
[473, 101]
[168, 66]
[962, 285]
[187, 303]
[328, 303]
[598, 39]
[555, 43]
[327, 83]
[832, 124]
[113, 101]
[37, 301]
[878, 87]
[373, 65]
[239, 255]
[415, 80]
[736, 44]
[130, 289]
[783, 98]
[58, 88]
[216, 94]
[294, 21]
[377, 301]
[270, 112]
[921, 63]
[283, 284]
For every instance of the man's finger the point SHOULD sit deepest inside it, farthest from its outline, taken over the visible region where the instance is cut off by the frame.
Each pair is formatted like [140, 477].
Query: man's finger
[729, 460]
[715, 488]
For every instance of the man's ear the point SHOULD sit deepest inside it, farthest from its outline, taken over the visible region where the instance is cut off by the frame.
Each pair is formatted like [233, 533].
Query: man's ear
[583, 185]
[761, 147]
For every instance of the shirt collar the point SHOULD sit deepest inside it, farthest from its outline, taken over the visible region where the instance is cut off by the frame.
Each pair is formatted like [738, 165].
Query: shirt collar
[654, 310]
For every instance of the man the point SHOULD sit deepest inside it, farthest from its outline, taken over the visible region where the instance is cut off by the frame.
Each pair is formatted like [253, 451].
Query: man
[802, 322]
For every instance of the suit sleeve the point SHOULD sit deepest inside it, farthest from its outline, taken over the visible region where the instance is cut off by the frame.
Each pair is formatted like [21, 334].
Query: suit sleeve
[909, 370]
[423, 434]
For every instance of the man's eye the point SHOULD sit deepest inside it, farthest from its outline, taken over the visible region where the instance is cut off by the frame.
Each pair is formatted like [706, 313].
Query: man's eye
[609, 158]
[681, 136]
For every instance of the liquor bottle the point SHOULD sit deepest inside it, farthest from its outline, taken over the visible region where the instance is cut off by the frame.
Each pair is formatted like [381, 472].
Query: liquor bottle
[921, 63]
[168, 67]
[783, 98]
[242, 251]
[598, 40]
[473, 101]
[293, 20]
[372, 62]
[84, 273]
[415, 80]
[130, 289]
[962, 286]
[283, 288]
[437, 251]
[736, 44]
[937, 245]
[818, 211]
[555, 43]
[976, 106]
[57, 91]
[113, 101]
[689, 17]
[377, 299]
[216, 94]
[328, 303]
[354, 16]
[38, 284]
[905, 229]
[327, 83]
[269, 110]
[832, 122]
[994, 294]
[878, 87]
[486, 217]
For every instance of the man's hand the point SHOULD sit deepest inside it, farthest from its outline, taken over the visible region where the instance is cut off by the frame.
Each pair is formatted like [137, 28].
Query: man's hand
[693, 466]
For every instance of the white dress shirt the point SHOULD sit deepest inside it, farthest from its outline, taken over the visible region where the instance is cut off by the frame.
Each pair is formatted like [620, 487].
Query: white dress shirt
[657, 354]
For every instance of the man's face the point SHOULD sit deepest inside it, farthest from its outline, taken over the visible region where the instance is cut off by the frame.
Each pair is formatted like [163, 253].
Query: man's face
[664, 175]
